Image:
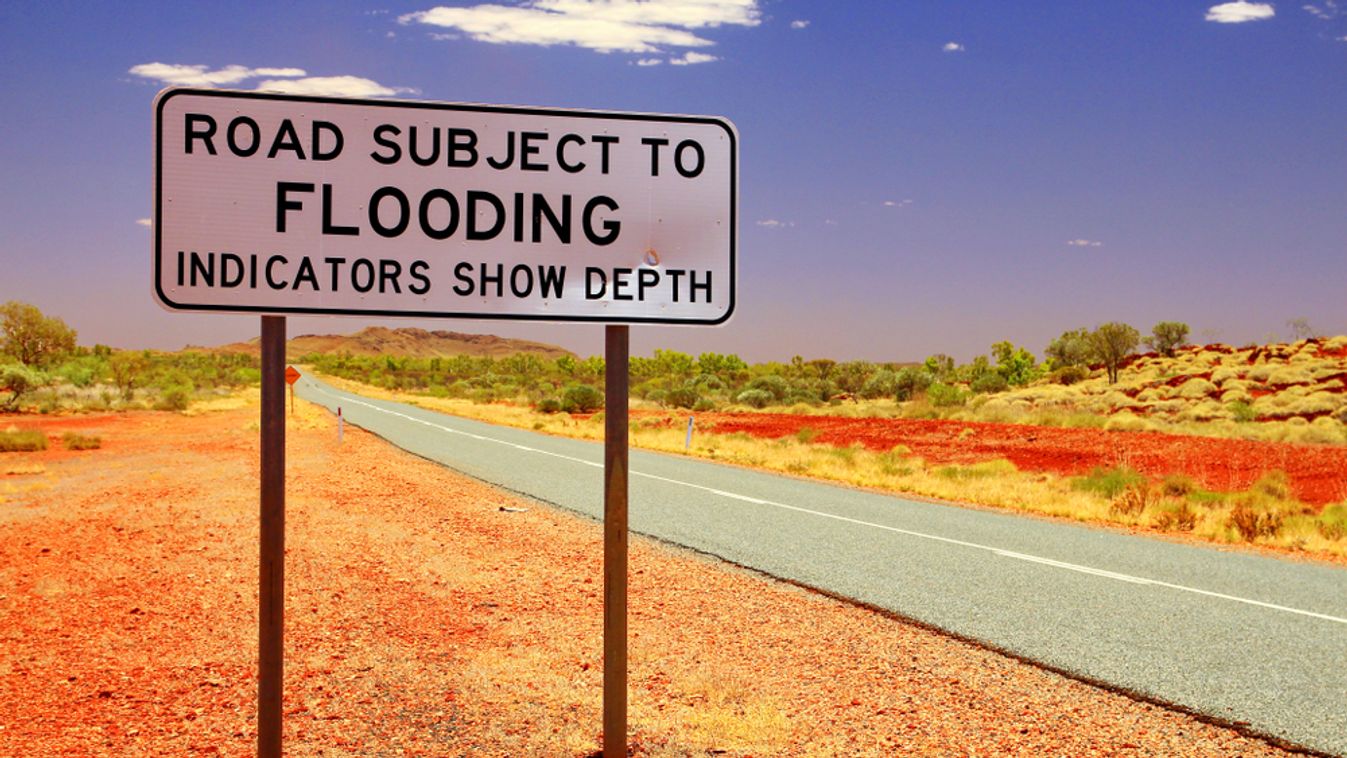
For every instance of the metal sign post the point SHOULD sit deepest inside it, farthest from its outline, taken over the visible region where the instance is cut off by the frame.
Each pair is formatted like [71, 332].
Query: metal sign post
[271, 566]
[291, 376]
[615, 455]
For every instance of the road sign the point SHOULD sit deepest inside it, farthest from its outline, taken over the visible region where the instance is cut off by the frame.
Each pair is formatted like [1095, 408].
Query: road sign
[291, 375]
[279, 204]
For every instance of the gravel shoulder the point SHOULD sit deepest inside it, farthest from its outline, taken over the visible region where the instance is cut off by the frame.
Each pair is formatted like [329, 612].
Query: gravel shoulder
[428, 614]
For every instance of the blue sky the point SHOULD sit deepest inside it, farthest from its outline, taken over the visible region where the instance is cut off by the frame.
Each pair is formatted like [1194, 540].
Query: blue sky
[916, 177]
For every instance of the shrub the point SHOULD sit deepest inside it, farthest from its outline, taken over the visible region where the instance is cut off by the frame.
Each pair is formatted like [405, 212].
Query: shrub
[75, 441]
[907, 382]
[771, 384]
[755, 398]
[22, 441]
[1242, 412]
[174, 399]
[1250, 524]
[1176, 517]
[581, 398]
[1273, 484]
[19, 380]
[1068, 375]
[1332, 523]
[1108, 482]
[683, 397]
[989, 383]
[549, 405]
[1132, 501]
[945, 395]
[1166, 336]
[806, 434]
[882, 383]
[704, 405]
[1178, 485]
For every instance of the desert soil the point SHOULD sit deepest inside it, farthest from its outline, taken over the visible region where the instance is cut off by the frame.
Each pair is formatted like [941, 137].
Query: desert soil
[425, 620]
[1315, 471]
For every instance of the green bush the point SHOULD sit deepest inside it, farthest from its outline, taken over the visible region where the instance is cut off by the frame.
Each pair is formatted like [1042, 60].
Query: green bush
[75, 441]
[772, 384]
[945, 395]
[1108, 482]
[989, 383]
[19, 380]
[549, 405]
[908, 382]
[1332, 523]
[704, 405]
[755, 398]
[22, 441]
[1242, 412]
[1069, 375]
[683, 397]
[174, 399]
[581, 398]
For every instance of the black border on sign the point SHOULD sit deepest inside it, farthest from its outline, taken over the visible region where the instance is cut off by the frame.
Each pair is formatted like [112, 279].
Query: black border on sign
[167, 94]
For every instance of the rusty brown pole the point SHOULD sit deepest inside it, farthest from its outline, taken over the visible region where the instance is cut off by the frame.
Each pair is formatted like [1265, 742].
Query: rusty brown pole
[271, 566]
[616, 345]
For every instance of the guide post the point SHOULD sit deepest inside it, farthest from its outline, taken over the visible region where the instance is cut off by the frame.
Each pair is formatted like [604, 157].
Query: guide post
[615, 455]
[271, 566]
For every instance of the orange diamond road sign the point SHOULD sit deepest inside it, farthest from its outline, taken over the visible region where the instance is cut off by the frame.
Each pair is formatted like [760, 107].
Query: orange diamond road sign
[291, 374]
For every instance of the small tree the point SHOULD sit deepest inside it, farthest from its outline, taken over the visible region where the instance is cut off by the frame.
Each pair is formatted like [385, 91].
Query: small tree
[1016, 364]
[19, 380]
[1166, 336]
[128, 371]
[1301, 329]
[32, 338]
[1073, 348]
[1111, 343]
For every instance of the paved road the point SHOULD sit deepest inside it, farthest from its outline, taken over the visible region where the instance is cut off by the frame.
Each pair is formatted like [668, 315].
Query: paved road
[1240, 637]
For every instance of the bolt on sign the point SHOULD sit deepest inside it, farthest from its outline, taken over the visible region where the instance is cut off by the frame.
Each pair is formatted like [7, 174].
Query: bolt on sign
[281, 204]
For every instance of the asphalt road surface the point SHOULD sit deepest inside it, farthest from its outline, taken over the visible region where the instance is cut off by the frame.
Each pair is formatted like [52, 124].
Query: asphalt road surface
[1247, 639]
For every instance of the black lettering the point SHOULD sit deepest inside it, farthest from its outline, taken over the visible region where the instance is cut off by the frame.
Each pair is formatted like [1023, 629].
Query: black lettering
[509, 154]
[404, 212]
[369, 275]
[619, 282]
[231, 136]
[271, 280]
[424, 214]
[416, 271]
[434, 147]
[655, 144]
[284, 203]
[611, 226]
[252, 271]
[394, 149]
[182, 268]
[590, 292]
[484, 279]
[518, 217]
[305, 274]
[476, 233]
[463, 273]
[675, 274]
[334, 266]
[678, 158]
[560, 226]
[389, 271]
[228, 279]
[527, 288]
[328, 226]
[338, 140]
[206, 134]
[645, 279]
[205, 268]
[286, 139]
[454, 147]
[570, 168]
[603, 141]
[551, 279]
[704, 286]
[527, 148]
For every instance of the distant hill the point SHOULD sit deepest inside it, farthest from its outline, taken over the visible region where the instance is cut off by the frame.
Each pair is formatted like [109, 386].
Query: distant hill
[417, 343]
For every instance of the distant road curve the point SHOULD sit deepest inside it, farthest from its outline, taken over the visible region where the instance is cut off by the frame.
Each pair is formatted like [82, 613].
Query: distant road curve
[1251, 640]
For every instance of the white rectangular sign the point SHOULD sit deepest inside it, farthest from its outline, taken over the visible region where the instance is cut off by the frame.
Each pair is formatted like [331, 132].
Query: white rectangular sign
[308, 205]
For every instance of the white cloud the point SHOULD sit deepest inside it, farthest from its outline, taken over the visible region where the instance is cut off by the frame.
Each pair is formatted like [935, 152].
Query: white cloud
[953, 47]
[799, 23]
[772, 223]
[144, 222]
[1328, 11]
[294, 81]
[691, 57]
[649, 62]
[200, 76]
[332, 86]
[628, 26]
[897, 203]
[1084, 243]
[1240, 11]
[830, 222]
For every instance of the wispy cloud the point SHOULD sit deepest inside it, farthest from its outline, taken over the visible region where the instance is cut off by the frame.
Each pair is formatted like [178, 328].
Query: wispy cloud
[897, 203]
[1327, 11]
[649, 61]
[1084, 243]
[772, 223]
[953, 47]
[1240, 11]
[295, 81]
[605, 26]
[799, 23]
[692, 57]
[144, 222]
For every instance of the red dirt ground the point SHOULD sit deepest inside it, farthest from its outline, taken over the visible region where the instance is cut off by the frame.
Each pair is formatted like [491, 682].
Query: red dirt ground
[428, 614]
[1318, 472]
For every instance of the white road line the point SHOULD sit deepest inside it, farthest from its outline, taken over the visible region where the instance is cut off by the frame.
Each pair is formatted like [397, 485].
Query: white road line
[896, 530]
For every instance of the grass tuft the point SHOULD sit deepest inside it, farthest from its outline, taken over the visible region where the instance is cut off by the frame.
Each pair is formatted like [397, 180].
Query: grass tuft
[76, 441]
[1108, 482]
[22, 441]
